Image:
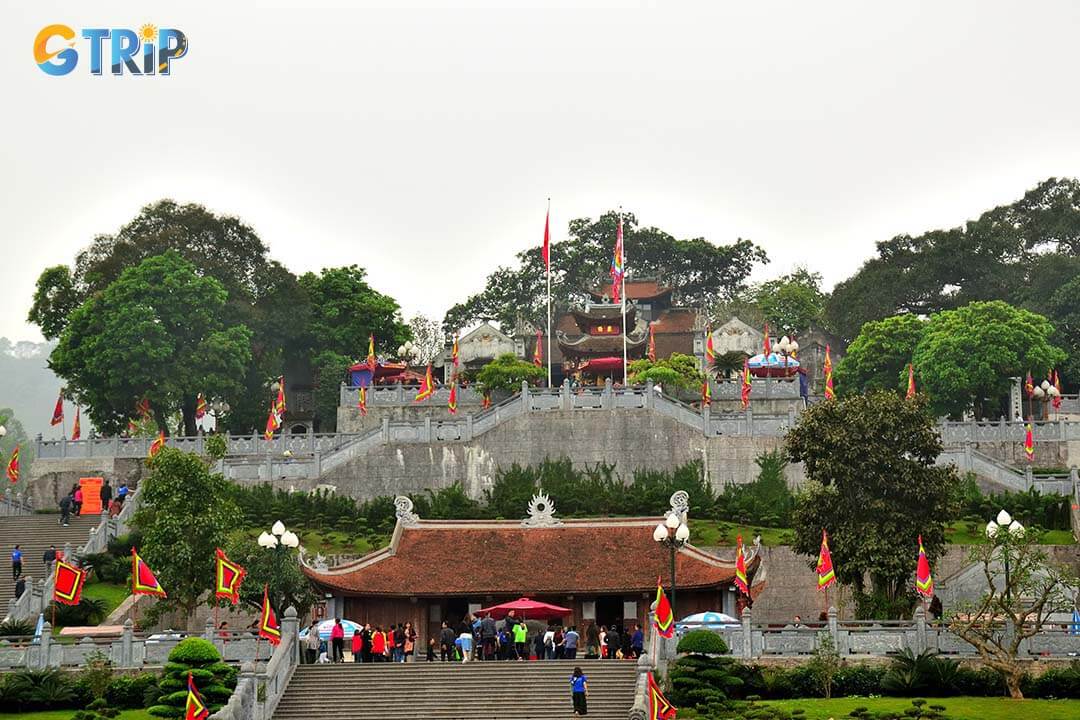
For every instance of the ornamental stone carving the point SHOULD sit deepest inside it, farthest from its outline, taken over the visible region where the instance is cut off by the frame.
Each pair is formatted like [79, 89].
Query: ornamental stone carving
[680, 503]
[403, 508]
[541, 512]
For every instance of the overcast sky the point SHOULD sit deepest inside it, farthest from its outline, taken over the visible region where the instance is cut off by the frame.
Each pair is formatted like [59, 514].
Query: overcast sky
[422, 141]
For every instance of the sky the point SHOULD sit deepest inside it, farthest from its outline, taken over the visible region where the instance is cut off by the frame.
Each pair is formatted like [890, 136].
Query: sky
[422, 140]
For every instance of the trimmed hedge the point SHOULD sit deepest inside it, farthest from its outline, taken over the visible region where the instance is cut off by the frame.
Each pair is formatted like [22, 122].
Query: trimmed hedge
[702, 642]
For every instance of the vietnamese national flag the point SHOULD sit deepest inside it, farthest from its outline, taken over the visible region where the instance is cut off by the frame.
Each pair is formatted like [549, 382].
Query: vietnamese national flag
[76, 431]
[13, 466]
[740, 568]
[58, 411]
[924, 582]
[143, 581]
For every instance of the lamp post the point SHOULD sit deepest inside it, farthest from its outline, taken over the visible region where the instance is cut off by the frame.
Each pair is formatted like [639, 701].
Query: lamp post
[279, 537]
[993, 532]
[788, 347]
[1046, 392]
[409, 352]
[674, 533]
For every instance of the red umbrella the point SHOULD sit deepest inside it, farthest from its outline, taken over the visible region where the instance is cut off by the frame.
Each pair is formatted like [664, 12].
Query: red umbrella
[523, 606]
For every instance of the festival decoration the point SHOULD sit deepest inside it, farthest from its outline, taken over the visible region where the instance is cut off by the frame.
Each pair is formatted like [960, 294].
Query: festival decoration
[664, 618]
[826, 574]
[830, 393]
[268, 624]
[740, 568]
[924, 582]
[227, 577]
[143, 581]
[68, 583]
[427, 386]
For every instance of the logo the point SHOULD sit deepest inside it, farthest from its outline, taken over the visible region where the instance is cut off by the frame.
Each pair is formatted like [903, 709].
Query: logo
[148, 51]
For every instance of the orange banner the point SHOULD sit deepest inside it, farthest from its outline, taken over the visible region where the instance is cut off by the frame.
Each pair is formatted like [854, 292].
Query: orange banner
[91, 495]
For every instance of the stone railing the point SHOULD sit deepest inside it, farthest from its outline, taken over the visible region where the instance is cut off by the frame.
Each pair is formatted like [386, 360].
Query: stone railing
[956, 433]
[259, 690]
[402, 396]
[648, 662]
[968, 459]
[117, 447]
[13, 503]
[760, 389]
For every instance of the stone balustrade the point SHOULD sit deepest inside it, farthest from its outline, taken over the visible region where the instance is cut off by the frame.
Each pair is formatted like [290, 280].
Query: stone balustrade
[259, 688]
[15, 503]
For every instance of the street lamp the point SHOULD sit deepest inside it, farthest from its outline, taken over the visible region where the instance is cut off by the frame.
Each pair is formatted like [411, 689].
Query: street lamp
[3, 431]
[409, 352]
[994, 534]
[279, 537]
[787, 347]
[674, 533]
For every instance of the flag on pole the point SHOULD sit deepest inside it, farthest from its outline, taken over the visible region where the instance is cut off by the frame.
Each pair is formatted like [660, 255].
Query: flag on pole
[652, 344]
[58, 411]
[740, 568]
[132, 428]
[618, 267]
[830, 393]
[200, 406]
[272, 424]
[746, 384]
[68, 583]
[664, 617]
[143, 581]
[924, 582]
[427, 386]
[910, 381]
[538, 352]
[710, 351]
[659, 706]
[279, 404]
[1057, 386]
[706, 393]
[486, 402]
[155, 447]
[76, 431]
[454, 360]
[1029, 385]
[826, 576]
[194, 707]
[371, 355]
[547, 241]
[362, 402]
[1029, 443]
[451, 402]
[768, 341]
[227, 577]
[143, 408]
[13, 466]
[268, 624]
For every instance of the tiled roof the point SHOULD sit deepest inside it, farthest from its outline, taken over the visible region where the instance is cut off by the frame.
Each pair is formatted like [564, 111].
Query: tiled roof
[466, 557]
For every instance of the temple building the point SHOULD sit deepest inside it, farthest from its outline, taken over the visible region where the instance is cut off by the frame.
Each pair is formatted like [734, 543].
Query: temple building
[604, 569]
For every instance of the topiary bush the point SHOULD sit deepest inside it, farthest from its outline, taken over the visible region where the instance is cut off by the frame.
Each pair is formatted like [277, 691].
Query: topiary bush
[702, 642]
[214, 679]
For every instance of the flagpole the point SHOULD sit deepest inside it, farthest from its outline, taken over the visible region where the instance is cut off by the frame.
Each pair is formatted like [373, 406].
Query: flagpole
[622, 293]
[547, 226]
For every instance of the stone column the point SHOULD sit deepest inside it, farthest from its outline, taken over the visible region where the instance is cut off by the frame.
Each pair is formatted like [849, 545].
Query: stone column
[127, 644]
[564, 395]
[648, 394]
[386, 430]
[747, 635]
[834, 628]
[46, 645]
[208, 630]
[525, 402]
[290, 633]
[342, 400]
[1029, 479]
[920, 629]
[706, 415]
[608, 396]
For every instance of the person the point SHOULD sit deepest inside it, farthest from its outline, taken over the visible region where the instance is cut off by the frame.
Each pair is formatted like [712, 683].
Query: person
[122, 492]
[106, 494]
[431, 649]
[337, 640]
[935, 607]
[323, 657]
[16, 563]
[20, 587]
[797, 623]
[559, 643]
[48, 558]
[311, 648]
[637, 641]
[520, 631]
[579, 691]
[465, 639]
[114, 508]
[487, 637]
[446, 642]
[378, 645]
[366, 640]
[538, 646]
[570, 643]
[613, 643]
[398, 640]
[410, 642]
[65, 510]
[592, 642]
[357, 646]
[223, 630]
[603, 641]
[549, 643]
[78, 497]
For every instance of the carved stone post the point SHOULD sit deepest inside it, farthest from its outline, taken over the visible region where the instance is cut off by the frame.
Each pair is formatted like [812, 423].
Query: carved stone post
[208, 630]
[648, 394]
[608, 396]
[1029, 479]
[920, 629]
[706, 414]
[525, 402]
[386, 430]
[565, 395]
[747, 635]
[127, 644]
[46, 645]
[834, 629]
[290, 634]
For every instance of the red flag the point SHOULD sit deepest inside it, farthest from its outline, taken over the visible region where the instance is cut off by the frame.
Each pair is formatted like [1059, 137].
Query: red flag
[746, 385]
[143, 408]
[194, 708]
[268, 624]
[830, 393]
[659, 707]
[454, 360]
[68, 583]
[143, 581]
[200, 407]
[279, 404]
[910, 381]
[427, 386]
[664, 618]
[1029, 443]
[13, 466]
[710, 352]
[740, 568]
[924, 583]
[155, 447]
[652, 344]
[58, 411]
[451, 402]
[363, 401]
[486, 402]
[132, 428]
[371, 355]
[227, 577]
[1029, 385]
[76, 432]
[706, 393]
[768, 342]
[538, 351]
[618, 266]
[547, 241]
[825, 572]
[1057, 386]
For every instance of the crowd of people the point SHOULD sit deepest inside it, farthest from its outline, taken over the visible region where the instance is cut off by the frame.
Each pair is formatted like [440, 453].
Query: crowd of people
[71, 504]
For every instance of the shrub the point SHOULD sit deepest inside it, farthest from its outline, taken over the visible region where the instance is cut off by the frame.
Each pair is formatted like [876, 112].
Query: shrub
[1058, 682]
[215, 446]
[87, 612]
[701, 680]
[107, 567]
[129, 691]
[10, 628]
[983, 682]
[214, 678]
[194, 651]
[702, 642]
[859, 680]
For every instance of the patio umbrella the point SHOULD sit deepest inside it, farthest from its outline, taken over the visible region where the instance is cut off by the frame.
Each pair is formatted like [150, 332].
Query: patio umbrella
[710, 620]
[327, 625]
[524, 606]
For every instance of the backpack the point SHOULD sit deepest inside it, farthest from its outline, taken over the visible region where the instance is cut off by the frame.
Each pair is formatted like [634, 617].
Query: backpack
[65, 503]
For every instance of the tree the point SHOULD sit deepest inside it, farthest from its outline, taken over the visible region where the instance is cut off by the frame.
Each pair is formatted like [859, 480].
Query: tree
[157, 332]
[185, 514]
[427, 337]
[878, 358]
[1064, 307]
[1017, 603]
[506, 373]
[330, 369]
[678, 371]
[346, 311]
[277, 569]
[825, 663]
[791, 303]
[214, 678]
[16, 435]
[874, 487]
[967, 356]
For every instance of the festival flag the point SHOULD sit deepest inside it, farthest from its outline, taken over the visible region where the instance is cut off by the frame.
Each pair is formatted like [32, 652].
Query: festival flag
[427, 386]
[268, 624]
[1057, 385]
[768, 341]
[618, 267]
[1029, 385]
[664, 618]
[659, 706]
[272, 424]
[279, 404]
[710, 351]
[200, 406]
[538, 352]
[924, 582]
[227, 577]
[194, 708]
[910, 381]
[830, 393]
[740, 568]
[58, 411]
[68, 583]
[371, 355]
[706, 393]
[143, 581]
[155, 447]
[454, 360]
[132, 428]
[826, 576]
[143, 408]
[76, 431]
[486, 402]
[547, 240]
[652, 344]
[1029, 443]
[362, 403]
[746, 384]
[451, 402]
[13, 466]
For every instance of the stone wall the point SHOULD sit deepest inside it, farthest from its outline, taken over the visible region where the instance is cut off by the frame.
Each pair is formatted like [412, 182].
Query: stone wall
[50, 479]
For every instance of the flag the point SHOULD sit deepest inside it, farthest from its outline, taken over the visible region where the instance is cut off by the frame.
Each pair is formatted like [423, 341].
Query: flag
[454, 360]
[1057, 385]
[363, 401]
[768, 342]
[68, 583]
[652, 344]
[538, 351]
[664, 618]
[746, 385]
[924, 582]
[427, 386]
[58, 411]
[194, 708]
[132, 428]
[13, 466]
[659, 707]
[618, 267]
[910, 381]
[143, 581]
[486, 402]
[268, 624]
[76, 431]
[227, 577]
[451, 402]
[200, 407]
[279, 404]
[1029, 385]
[710, 351]
[740, 568]
[547, 241]
[155, 447]
[1029, 443]
[371, 355]
[706, 394]
[830, 393]
[143, 408]
[825, 574]
[272, 424]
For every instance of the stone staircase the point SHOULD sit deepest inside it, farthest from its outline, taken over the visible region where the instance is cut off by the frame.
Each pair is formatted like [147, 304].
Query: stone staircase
[35, 533]
[502, 690]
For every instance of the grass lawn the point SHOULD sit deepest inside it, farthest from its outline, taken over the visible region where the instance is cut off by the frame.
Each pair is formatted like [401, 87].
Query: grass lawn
[963, 532]
[956, 708]
[712, 532]
[112, 594]
[66, 715]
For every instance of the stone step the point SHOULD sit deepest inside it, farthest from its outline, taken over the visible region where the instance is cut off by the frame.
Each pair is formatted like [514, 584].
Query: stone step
[35, 533]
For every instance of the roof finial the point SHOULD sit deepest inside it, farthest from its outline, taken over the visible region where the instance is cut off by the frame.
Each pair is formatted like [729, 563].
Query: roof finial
[403, 508]
[541, 511]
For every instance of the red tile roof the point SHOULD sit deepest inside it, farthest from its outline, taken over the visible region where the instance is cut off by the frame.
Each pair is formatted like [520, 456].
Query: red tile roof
[469, 557]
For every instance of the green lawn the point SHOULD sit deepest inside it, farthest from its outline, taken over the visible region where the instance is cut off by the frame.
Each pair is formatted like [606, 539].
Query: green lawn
[956, 708]
[66, 715]
[712, 533]
[112, 594]
[963, 532]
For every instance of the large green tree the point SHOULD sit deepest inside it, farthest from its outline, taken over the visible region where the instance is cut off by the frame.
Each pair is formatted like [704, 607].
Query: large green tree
[345, 310]
[966, 357]
[156, 332]
[874, 486]
[791, 303]
[696, 269]
[877, 359]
